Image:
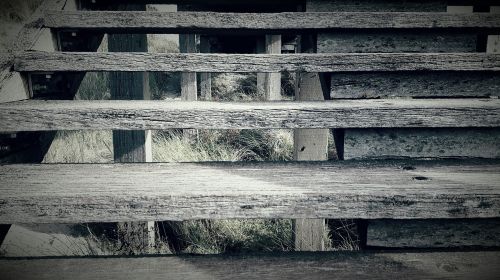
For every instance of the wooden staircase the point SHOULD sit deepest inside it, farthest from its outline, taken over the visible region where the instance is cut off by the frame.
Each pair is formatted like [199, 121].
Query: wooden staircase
[419, 76]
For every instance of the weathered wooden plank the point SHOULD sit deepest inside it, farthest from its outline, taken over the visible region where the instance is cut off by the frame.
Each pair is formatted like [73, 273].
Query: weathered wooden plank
[390, 6]
[420, 84]
[143, 115]
[433, 233]
[138, 192]
[421, 143]
[415, 84]
[376, 6]
[279, 3]
[248, 63]
[385, 41]
[195, 22]
[297, 266]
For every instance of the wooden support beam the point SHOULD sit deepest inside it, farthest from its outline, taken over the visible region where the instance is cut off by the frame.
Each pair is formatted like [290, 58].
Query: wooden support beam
[132, 146]
[251, 63]
[205, 77]
[77, 193]
[269, 84]
[309, 145]
[335, 265]
[189, 89]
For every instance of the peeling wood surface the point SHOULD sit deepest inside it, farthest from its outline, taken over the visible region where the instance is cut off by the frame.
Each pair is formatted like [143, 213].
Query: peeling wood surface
[421, 143]
[127, 21]
[69, 193]
[248, 63]
[434, 233]
[296, 266]
[144, 115]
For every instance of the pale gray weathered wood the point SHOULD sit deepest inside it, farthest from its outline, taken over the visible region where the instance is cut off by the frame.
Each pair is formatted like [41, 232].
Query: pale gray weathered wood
[389, 41]
[376, 6]
[421, 143]
[415, 84]
[189, 87]
[248, 63]
[433, 233]
[202, 21]
[68, 193]
[336, 265]
[143, 115]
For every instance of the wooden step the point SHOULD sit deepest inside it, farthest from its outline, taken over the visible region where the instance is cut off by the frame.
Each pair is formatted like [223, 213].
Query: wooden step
[150, 21]
[247, 63]
[75, 193]
[34, 115]
[332, 265]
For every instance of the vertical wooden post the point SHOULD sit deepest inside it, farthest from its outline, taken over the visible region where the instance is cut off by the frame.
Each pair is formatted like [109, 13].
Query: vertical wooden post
[189, 90]
[132, 146]
[269, 84]
[493, 44]
[205, 78]
[309, 145]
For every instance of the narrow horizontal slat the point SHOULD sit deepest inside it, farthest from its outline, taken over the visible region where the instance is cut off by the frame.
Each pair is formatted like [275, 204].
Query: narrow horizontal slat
[203, 62]
[415, 84]
[72, 193]
[35, 115]
[434, 233]
[422, 143]
[292, 266]
[390, 6]
[202, 21]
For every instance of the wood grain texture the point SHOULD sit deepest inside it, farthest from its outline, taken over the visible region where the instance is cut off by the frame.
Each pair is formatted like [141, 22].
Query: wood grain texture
[248, 63]
[297, 266]
[144, 115]
[272, 81]
[189, 87]
[415, 84]
[418, 84]
[388, 41]
[433, 233]
[113, 21]
[71, 193]
[376, 6]
[421, 143]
